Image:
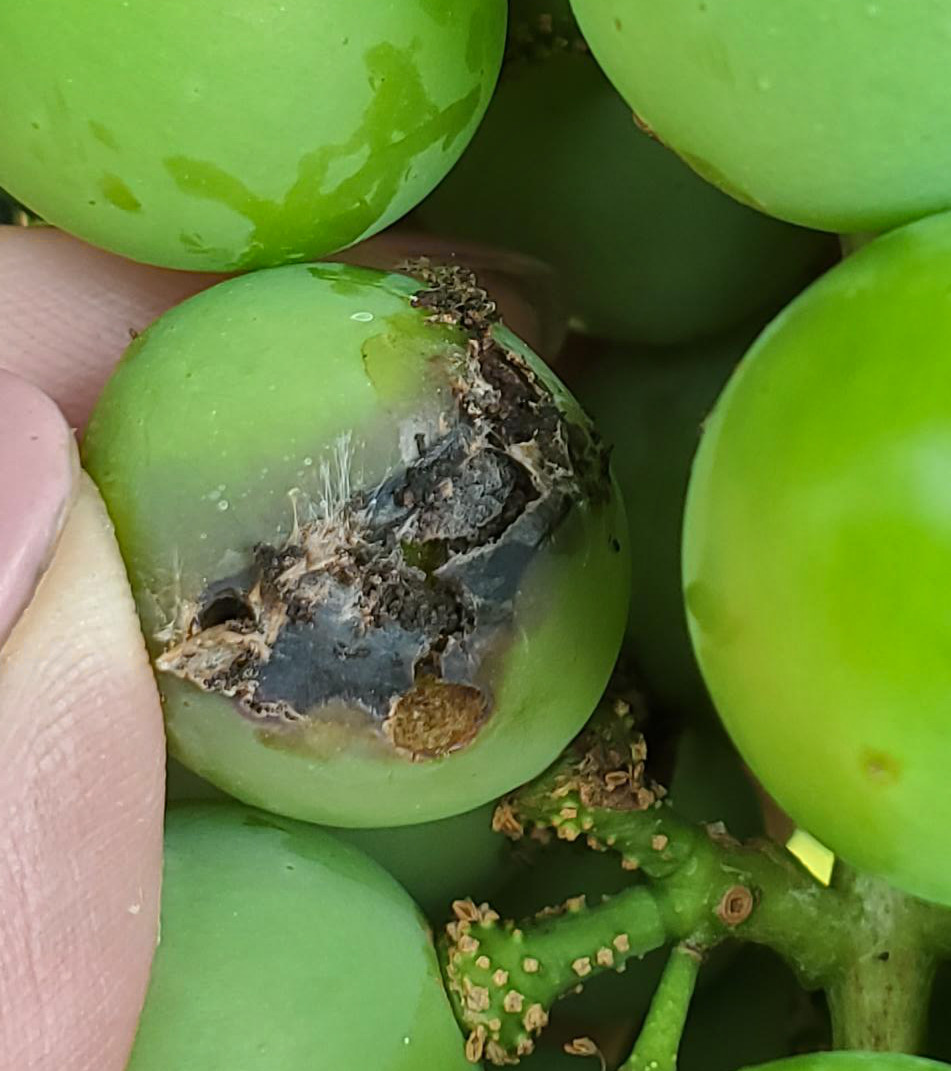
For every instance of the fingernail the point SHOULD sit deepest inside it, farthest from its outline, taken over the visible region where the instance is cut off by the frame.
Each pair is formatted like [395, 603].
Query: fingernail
[38, 468]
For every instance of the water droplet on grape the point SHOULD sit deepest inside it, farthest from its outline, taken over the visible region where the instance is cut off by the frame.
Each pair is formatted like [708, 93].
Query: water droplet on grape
[223, 504]
[362, 317]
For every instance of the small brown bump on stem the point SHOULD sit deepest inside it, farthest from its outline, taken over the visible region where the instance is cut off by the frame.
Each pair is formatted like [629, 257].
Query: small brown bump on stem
[630, 863]
[475, 1044]
[465, 911]
[582, 1047]
[659, 842]
[505, 821]
[582, 966]
[513, 1002]
[483, 963]
[530, 965]
[496, 1054]
[604, 957]
[535, 1019]
[467, 944]
[500, 978]
[477, 998]
[622, 942]
[495, 1025]
[736, 906]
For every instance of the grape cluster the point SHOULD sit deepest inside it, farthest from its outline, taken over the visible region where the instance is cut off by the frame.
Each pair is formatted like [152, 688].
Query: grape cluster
[413, 588]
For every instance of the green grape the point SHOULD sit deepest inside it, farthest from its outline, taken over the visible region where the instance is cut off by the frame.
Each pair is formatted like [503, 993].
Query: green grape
[649, 406]
[216, 136]
[853, 1061]
[379, 560]
[435, 862]
[284, 950]
[817, 555]
[644, 250]
[438, 862]
[828, 113]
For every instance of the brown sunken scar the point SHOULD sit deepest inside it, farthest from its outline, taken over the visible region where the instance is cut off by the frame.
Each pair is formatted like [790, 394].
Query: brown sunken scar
[392, 601]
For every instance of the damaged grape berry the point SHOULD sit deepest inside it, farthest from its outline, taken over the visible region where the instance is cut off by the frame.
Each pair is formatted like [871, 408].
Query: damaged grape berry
[379, 558]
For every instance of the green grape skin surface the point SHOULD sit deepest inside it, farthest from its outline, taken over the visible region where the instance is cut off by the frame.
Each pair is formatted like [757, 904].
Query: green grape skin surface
[853, 1061]
[828, 114]
[438, 862]
[287, 394]
[649, 404]
[435, 862]
[816, 558]
[644, 250]
[284, 950]
[221, 136]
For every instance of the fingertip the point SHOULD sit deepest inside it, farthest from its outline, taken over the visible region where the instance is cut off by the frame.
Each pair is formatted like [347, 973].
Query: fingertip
[81, 794]
[39, 465]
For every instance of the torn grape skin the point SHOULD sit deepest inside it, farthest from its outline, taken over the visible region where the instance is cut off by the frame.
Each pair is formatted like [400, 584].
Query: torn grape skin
[286, 408]
[392, 599]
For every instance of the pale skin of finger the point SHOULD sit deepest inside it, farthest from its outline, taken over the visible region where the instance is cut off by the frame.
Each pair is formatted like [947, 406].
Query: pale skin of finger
[39, 466]
[70, 310]
[81, 796]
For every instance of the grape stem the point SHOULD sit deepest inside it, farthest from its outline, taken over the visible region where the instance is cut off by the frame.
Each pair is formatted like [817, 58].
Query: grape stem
[659, 1040]
[879, 995]
[872, 949]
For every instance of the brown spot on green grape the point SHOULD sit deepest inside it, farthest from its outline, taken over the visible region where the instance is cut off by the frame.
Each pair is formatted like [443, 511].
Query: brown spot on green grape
[390, 599]
[350, 589]
[880, 767]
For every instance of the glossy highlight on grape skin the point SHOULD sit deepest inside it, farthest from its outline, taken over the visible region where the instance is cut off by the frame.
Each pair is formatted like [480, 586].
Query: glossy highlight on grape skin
[221, 136]
[284, 950]
[817, 558]
[828, 113]
[320, 379]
